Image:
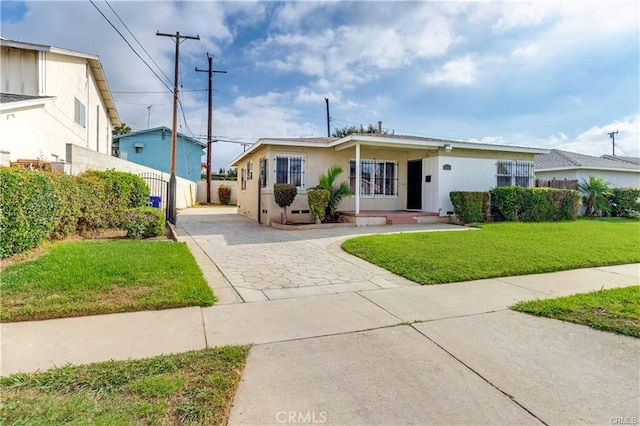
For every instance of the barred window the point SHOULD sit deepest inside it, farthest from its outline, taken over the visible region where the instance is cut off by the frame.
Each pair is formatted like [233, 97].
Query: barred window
[250, 170]
[243, 179]
[289, 169]
[378, 178]
[264, 176]
[514, 173]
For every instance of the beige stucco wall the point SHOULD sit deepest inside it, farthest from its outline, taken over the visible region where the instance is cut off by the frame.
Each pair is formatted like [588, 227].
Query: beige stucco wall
[43, 131]
[215, 184]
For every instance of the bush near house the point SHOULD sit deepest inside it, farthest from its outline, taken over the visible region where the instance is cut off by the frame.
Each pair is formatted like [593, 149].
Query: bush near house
[470, 207]
[29, 208]
[143, 222]
[284, 195]
[318, 200]
[515, 203]
[624, 202]
[36, 205]
[224, 194]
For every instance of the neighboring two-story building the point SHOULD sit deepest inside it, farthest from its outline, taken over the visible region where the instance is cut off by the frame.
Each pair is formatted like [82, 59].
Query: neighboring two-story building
[51, 97]
[152, 148]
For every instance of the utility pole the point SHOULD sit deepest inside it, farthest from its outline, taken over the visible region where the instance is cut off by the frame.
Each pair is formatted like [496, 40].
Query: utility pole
[171, 201]
[148, 115]
[612, 135]
[326, 100]
[210, 71]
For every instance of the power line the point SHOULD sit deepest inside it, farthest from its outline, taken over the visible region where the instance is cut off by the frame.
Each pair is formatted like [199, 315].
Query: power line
[131, 47]
[137, 41]
[164, 91]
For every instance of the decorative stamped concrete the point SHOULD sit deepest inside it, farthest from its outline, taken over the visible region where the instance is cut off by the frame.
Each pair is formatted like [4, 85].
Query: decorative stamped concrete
[262, 263]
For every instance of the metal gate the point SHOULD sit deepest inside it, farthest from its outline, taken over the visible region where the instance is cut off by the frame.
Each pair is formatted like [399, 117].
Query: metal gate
[158, 189]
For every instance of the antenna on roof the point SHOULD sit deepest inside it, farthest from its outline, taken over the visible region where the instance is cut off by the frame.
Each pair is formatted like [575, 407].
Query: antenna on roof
[612, 135]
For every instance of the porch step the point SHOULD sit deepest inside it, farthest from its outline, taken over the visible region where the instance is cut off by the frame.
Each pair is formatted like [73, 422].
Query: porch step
[401, 220]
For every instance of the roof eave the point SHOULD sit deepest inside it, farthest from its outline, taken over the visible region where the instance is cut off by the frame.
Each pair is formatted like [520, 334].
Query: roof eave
[9, 106]
[567, 168]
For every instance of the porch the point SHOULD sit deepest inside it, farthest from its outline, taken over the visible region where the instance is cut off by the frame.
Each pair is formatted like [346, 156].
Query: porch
[390, 217]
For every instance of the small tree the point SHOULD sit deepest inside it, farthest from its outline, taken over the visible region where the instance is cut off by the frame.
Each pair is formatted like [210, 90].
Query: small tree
[122, 129]
[336, 193]
[341, 132]
[318, 200]
[284, 194]
[594, 194]
[224, 194]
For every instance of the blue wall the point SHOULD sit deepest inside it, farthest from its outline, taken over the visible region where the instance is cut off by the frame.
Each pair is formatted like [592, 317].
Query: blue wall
[156, 151]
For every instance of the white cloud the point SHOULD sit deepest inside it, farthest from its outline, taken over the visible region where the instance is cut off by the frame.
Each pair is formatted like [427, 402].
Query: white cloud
[596, 140]
[459, 72]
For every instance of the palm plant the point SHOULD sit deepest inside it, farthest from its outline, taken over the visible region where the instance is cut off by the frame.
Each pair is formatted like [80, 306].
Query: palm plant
[594, 194]
[336, 193]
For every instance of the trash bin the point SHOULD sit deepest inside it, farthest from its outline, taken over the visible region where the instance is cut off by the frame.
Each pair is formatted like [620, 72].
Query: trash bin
[155, 202]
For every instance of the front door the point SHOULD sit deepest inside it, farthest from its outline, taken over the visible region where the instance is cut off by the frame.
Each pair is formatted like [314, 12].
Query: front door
[414, 185]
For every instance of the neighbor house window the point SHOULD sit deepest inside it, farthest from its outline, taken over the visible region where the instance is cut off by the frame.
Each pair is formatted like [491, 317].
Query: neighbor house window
[289, 169]
[139, 147]
[79, 113]
[250, 170]
[264, 176]
[243, 179]
[378, 178]
[514, 173]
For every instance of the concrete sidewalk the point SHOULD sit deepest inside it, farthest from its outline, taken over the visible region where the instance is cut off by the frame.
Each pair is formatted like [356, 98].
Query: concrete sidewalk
[440, 354]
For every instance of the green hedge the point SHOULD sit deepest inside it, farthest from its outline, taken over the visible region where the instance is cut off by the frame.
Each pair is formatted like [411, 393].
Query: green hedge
[470, 207]
[143, 222]
[29, 207]
[36, 205]
[318, 200]
[624, 202]
[516, 203]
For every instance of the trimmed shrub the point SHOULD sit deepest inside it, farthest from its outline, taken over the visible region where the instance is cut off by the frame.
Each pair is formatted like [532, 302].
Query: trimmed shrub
[28, 209]
[623, 202]
[224, 194]
[516, 203]
[318, 200]
[123, 191]
[284, 194]
[143, 222]
[470, 206]
[94, 203]
[69, 193]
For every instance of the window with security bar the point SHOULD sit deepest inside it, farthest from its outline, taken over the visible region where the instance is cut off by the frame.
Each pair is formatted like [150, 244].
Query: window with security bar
[264, 175]
[378, 178]
[290, 169]
[243, 179]
[514, 173]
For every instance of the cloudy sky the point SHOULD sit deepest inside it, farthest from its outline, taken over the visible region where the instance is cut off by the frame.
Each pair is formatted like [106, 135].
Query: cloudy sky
[545, 74]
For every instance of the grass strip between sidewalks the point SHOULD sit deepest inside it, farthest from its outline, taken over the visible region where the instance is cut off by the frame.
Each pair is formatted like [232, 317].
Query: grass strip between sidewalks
[616, 310]
[193, 387]
[99, 277]
[500, 250]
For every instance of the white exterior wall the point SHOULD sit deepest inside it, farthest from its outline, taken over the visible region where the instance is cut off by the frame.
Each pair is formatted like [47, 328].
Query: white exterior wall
[466, 174]
[215, 184]
[617, 179]
[43, 131]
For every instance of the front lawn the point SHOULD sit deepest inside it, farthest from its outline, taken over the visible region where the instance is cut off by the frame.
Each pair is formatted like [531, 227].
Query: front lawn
[500, 249]
[98, 277]
[194, 387]
[616, 309]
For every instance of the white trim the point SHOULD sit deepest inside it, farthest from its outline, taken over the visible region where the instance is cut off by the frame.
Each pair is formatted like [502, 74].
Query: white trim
[608, 169]
[9, 106]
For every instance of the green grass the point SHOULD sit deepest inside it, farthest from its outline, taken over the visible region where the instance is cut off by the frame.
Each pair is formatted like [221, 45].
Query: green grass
[97, 277]
[500, 249]
[616, 310]
[194, 387]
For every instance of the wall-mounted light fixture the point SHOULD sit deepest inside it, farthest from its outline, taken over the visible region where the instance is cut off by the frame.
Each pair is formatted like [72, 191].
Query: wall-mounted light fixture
[448, 147]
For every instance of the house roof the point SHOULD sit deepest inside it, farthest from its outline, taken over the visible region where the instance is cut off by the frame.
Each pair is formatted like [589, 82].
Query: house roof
[157, 129]
[389, 141]
[566, 160]
[632, 160]
[94, 63]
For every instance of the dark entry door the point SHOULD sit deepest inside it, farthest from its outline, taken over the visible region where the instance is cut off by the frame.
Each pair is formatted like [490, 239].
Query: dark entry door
[414, 185]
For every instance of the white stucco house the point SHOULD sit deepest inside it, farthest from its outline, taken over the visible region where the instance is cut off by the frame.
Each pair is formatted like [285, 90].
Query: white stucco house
[51, 97]
[620, 172]
[386, 173]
